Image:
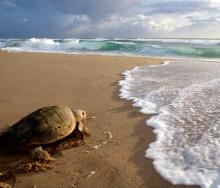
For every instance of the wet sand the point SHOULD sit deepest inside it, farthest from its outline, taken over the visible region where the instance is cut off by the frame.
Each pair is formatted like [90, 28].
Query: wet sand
[32, 80]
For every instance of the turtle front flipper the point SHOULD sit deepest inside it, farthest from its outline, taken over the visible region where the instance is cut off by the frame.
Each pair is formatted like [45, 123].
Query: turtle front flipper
[40, 154]
[80, 128]
[76, 138]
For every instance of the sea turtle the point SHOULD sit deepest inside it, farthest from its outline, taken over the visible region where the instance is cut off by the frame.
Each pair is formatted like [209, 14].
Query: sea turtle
[44, 126]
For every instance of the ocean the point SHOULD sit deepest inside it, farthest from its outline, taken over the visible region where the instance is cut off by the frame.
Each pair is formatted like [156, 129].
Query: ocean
[195, 48]
[182, 94]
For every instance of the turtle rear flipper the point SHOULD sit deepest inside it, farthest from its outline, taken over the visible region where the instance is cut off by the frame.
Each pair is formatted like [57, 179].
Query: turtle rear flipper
[41, 154]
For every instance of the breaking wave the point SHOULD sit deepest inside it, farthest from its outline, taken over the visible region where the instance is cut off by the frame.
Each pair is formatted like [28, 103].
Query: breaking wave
[144, 47]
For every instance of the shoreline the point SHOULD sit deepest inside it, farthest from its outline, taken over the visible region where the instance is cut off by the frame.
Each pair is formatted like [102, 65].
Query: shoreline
[163, 58]
[31, 80]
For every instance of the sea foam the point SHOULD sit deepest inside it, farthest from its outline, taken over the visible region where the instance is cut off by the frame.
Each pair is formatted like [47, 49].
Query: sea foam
[185, 96]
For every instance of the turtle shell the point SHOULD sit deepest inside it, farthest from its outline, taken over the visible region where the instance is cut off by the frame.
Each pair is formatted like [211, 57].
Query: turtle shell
[45, 125]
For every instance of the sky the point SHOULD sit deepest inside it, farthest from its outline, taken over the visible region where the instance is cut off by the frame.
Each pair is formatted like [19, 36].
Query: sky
[110, 18]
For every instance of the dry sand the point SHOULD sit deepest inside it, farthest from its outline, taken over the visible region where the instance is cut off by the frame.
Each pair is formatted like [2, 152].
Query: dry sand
[32, 80]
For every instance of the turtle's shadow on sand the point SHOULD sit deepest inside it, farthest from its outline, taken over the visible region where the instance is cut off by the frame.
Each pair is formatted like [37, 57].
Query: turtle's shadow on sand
[9, 159]
[15, 162]
[144, 165]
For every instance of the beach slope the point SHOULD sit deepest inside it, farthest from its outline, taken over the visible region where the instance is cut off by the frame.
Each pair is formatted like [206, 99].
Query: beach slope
[32, 80]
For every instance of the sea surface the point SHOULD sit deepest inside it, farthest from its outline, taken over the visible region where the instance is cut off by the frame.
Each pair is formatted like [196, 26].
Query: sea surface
[182, 94]
[196, 48]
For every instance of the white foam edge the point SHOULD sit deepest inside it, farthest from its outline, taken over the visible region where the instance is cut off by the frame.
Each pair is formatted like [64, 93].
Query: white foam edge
[169, 171]
[125, 94]
[175, 175]
[147, 107]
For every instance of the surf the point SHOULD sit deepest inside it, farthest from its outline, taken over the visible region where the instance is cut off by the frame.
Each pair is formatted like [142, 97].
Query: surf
[191, 48]
[184, 95]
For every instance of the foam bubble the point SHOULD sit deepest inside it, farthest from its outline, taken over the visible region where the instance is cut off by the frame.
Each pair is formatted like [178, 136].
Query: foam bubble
[40, 44]
[186, 97]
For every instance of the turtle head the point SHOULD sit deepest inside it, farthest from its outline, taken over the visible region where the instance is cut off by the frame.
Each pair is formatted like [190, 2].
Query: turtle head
[80, 115]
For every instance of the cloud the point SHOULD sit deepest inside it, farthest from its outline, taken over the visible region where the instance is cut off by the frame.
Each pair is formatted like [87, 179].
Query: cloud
[170, 7]
[127, 27]
[7, 4]
[104, 18]
[95, 9]
[181, 6]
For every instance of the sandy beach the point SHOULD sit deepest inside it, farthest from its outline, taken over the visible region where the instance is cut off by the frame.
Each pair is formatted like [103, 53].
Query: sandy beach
[29, 81]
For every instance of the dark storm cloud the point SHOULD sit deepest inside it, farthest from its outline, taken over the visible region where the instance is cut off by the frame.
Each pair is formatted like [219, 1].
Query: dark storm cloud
[93, 8]
[26, 19]
[47, 18]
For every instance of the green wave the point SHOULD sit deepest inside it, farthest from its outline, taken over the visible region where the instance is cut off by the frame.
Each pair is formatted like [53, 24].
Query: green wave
[195, 51]
[118, 46]
[155, 47]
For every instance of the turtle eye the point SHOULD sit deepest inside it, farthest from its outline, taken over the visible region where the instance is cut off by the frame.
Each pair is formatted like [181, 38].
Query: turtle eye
[83, 115]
